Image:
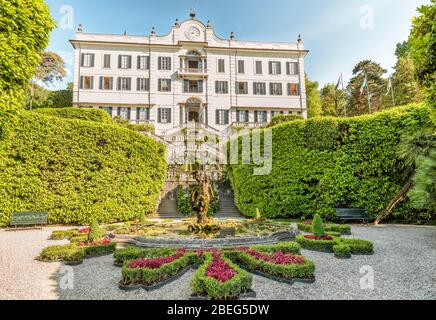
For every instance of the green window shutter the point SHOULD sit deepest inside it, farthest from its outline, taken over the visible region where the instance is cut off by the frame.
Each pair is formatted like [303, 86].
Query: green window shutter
[169, 116]
[101, 83]
[159, 115]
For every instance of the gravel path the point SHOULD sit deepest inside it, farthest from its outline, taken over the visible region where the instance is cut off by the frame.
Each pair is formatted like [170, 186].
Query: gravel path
[404, 267]
[21, 276]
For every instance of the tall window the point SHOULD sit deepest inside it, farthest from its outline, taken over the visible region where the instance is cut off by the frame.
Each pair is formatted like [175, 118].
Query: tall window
[275, 89]
[106, 83]
[259, 88]
[108, 110]
[87, 60]
[86, 82]
[124, 84]
[241, 87]
[192, 86]
[164, 63]
[124, 62]
[260, 116]
[142, 114]
[292, 68]
[164, 115]
[221, 66]
[275, 67]
[222, 87]
[222, 117]
[143, 84]
[164, 85]
[241, 66]
[124, 113]
[259, 67]
[276, 113]
[107, 61]
[242, 116]
[293, 89]
[143, 62]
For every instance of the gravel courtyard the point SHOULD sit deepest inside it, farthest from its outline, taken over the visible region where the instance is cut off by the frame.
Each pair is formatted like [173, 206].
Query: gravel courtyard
[404, 267]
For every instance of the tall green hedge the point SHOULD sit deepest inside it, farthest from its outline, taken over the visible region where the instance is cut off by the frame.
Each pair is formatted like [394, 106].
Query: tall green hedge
[324, 163]
[90, 114]
[78, 170]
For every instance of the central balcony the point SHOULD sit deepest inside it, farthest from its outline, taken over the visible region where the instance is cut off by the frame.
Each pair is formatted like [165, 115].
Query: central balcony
[192, 73]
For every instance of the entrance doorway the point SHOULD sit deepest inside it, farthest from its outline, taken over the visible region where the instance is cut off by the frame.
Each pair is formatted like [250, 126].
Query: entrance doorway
[193, 116]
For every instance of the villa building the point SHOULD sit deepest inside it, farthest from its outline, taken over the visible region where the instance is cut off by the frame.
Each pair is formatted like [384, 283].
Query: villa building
[189, 76]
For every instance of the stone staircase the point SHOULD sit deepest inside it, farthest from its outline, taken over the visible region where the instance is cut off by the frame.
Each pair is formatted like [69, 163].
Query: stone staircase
[228, 209]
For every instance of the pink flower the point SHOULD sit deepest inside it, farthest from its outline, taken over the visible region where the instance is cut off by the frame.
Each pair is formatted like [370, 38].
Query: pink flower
[220, 270]
[324, 237]
[95, 243]
[84, 230]
[278, 257]
[156, 263]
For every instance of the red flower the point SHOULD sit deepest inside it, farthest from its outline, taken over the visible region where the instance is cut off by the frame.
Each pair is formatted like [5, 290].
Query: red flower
[278, 257]
[220, 270]
[324, 237]
[95, 243]
[84, 230]
[156, 263]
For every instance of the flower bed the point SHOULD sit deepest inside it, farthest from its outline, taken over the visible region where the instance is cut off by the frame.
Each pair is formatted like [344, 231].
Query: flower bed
[220, 279]
[132, 253]
[310, 242]
[148, 272]
[278, 264]
[343, 229]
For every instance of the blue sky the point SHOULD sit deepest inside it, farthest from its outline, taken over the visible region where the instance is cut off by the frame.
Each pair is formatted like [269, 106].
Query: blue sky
[338, 33]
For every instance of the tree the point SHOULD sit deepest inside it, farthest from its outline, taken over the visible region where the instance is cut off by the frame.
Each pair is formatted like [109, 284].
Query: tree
[333, 102]
[202, 196]
[402, 50]
[313, 98]
[358, 103]
[51, 68]
[62, 98]
[25, 27]
[418, 153]
[422, 42]
[406, 89]
[95, 232]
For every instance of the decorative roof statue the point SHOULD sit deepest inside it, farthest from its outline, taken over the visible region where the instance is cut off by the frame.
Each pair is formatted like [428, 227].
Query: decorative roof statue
[300, 39]
[177, 24]
[153, 31]
[125, 33]
[80, 28]
[232, 36]
[192, 14]
[209, 24]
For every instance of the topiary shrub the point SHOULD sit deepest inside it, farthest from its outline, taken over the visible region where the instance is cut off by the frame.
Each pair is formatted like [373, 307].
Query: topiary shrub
[95, 231]
[88, 114]
[325, 163]
[318, 226]
[78, 170]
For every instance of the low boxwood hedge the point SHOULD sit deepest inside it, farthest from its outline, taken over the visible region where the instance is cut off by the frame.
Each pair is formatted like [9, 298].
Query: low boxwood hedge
[358, 246]
[63, 234]
[343, 229]
[342, 251]
[283, 271]
[133, 253]
[100, 250]
[203, 285]
[285, 247]
[149, 277]
[315, 245]
[68, 252]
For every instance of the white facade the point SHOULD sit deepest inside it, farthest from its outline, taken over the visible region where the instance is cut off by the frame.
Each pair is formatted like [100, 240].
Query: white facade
[197, 61]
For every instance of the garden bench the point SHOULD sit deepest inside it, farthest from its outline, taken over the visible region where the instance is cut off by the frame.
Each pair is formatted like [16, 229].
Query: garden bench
[352, 214]
[20, 219]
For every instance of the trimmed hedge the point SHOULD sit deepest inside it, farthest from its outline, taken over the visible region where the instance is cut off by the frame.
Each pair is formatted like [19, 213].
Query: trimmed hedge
[358, 246]
[133, 253]
[148, 277]
[64, 234]
[285, 247]
[342, 251]
[315, 245]
[91, 114]
[283, 271]
[100, 250]
[78, 170]
[202, 285]
[72, 253]
[324, 163]
[339, 228]
[282, 118]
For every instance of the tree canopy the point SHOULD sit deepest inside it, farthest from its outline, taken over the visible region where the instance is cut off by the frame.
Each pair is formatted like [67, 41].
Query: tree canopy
[313, 98]
[51, 68]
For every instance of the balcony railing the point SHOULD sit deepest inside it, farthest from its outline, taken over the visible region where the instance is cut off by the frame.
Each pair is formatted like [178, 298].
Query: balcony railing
[250, 125]
[192, 72]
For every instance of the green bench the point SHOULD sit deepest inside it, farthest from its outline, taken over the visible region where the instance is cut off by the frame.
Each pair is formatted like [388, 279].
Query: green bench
[352, 214]
[21, 219]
